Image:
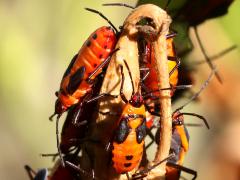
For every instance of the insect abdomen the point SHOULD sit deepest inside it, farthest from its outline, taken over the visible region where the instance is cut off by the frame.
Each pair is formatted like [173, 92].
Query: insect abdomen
[127, 155]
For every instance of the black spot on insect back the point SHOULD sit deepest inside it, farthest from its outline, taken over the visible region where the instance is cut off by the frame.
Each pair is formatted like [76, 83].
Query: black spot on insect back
[129, 157]
[100, 56]
[88, 43]
[94, 36]
[127, 164]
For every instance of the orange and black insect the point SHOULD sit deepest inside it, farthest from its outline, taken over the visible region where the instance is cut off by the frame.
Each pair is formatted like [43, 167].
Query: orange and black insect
[85, 66]
[128, 139]
[147, 60]
[83, 72]
[180, 138]
[129, 136]
[179, 146]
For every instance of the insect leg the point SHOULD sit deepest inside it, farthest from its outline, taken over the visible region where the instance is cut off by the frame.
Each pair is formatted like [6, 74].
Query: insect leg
[51, 117]
[53, 155]
[123, 79]
[182, 168]
[213, 67]
[80, 170]
[128, 177]
[58, 143]
[150, 134]
[30, 172]
[104, 63]
[177, 65]
[101, 96]
[149, 93]
[204, 85]
[77, 113]
[143, 173]
[146, 75]
[171, 35]
[216, 56]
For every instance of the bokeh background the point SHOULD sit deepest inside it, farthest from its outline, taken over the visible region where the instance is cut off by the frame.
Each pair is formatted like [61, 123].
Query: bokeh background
[38, 40]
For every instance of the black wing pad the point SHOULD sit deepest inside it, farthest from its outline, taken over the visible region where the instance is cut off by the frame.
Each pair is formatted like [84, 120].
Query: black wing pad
[41, 175]
[175, 148]
[122, 131]
[75, 80]
[141, 131]
[70, 66]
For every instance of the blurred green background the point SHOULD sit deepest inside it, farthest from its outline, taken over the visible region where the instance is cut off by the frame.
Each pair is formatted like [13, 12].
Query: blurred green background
[38, 40]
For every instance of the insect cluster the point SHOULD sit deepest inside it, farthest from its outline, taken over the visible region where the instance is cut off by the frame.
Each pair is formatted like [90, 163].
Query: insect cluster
[116, 89]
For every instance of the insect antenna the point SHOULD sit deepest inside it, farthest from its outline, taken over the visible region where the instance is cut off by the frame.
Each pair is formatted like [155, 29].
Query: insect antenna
[122, 83]
[79, 169]
[193, 124]
[168, 2]
[30, 172]
[200, 90]
[206, 56]
[130, 75]
[119, 4]
[104, 17]
[58, 143]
